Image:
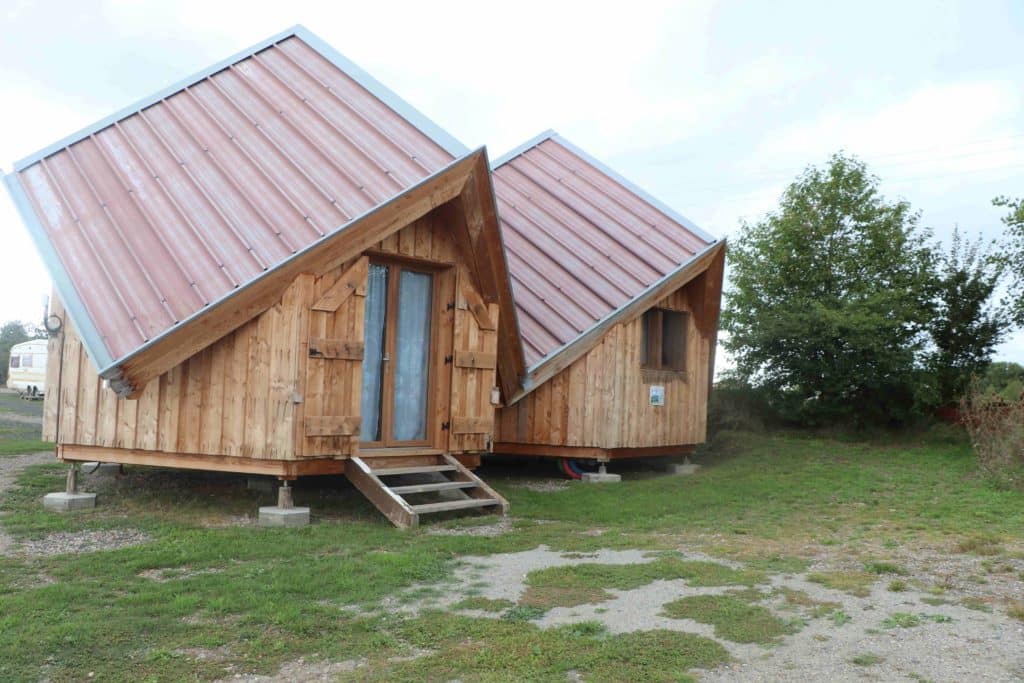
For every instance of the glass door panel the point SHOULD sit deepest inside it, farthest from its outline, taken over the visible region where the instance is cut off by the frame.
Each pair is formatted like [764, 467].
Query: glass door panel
[412, 355]
[374, 365]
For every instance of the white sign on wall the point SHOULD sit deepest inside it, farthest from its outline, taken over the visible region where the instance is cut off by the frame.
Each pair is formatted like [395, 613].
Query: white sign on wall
[657, 395]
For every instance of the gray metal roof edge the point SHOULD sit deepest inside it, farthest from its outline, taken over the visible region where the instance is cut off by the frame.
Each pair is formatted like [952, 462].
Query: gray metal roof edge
[72, 302]
[112, 369]
[520, 148]
[636, 189]
[382, 92]
[611, 315]
[385, 94]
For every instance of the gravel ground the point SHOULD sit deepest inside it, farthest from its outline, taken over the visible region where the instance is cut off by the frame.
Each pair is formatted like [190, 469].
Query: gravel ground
[10, 468]
[952, 642]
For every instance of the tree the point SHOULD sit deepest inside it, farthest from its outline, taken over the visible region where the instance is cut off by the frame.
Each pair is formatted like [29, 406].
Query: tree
[1003, 379]
[1014, 253]
[12, 332]
[829, 299]
[967, 324]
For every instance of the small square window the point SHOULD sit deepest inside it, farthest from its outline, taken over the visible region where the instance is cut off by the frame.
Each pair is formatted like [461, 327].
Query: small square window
[26, 361]
[15, 361]
[663, 344]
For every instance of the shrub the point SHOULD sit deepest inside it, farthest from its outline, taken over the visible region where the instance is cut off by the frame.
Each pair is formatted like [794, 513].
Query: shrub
[996, 428]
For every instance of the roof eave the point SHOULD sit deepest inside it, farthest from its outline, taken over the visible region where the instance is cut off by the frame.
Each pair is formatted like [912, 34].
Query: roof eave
[563, 356]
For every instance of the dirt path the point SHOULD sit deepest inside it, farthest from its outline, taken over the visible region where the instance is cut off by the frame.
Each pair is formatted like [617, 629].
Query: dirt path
[10, 468]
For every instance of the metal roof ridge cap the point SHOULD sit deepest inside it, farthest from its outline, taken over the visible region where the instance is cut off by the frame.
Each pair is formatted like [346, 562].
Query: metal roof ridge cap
[523, 147]
[347, 66]
[635, 189]
[112, 368]
[612, 314]
[395, 102]
[69, 296]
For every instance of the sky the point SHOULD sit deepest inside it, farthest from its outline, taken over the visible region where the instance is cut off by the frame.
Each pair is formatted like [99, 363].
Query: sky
[714, 107]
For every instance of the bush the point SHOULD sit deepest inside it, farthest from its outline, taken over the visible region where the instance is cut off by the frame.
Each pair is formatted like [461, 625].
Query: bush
[996, 427]
[736, 406]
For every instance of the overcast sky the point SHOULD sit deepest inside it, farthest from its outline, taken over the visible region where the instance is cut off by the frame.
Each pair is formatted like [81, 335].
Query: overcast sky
[712, 106]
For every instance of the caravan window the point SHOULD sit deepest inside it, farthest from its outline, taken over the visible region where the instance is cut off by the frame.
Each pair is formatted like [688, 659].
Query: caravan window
[26, 360]
[15, 361]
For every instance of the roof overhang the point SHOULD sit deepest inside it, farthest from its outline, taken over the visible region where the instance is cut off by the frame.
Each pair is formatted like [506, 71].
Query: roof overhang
[565, 356]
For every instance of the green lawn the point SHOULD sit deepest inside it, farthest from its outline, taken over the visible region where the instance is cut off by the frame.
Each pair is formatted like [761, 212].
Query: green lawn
[267, 596]
[17, 435]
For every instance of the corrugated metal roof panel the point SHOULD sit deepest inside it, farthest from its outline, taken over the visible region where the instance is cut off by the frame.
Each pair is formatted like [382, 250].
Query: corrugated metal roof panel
[149, 216]
[582, 241]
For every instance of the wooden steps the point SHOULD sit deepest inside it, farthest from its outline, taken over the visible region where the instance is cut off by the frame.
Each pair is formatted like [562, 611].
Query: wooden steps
[434, 475]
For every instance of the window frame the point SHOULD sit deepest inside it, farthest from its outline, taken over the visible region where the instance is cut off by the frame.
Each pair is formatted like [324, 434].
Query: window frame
[653, 340]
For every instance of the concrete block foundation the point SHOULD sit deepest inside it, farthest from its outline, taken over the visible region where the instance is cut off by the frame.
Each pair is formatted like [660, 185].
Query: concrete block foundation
[601, 478]
[69, 502]
[275, 515]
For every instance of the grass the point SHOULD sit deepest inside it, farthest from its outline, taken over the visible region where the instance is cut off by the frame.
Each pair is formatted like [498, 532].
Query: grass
[268, 596]
[571, 585]
[908, 620]
[854, 583]
[734, 617]
[1016, 609]
[801, 600]
[880, 567]
[483, 604]
[897, 586]
[867, 659]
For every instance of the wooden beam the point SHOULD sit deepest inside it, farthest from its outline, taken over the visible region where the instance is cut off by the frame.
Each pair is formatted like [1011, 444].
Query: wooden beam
[474, 359]
[590, 452]
[352, 282]
[336, 349]
[472, 425]
[184, 341]
[332, 425]
[198, 461]
[592, 337]
[390, 504]
[478, 308]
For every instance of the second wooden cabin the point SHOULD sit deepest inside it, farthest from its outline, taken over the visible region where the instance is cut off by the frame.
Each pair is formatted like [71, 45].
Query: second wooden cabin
[284, 269]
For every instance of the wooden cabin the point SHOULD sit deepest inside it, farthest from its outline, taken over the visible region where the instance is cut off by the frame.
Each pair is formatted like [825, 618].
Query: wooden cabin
[617, 297]
[279, 267]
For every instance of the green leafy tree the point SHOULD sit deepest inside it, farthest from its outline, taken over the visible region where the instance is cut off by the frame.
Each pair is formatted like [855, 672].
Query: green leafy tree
[829, 299]
[1014, 253]
[968, 322]
[1003, 379]
[12, 332]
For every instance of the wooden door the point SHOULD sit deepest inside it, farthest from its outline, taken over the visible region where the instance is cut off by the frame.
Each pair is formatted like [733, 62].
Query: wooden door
[334, 367]
[474, 362]
[398, 338]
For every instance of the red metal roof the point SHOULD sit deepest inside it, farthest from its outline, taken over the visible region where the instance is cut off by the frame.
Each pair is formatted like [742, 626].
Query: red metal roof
[581, 241]
[150, 216]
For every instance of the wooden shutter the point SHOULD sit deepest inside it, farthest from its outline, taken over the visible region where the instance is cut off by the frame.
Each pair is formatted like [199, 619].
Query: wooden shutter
[473, 364]
[334, 367]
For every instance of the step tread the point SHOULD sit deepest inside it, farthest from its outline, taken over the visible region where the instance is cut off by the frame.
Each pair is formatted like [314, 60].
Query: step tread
[418, 469]
[434, 486]
[427, 508]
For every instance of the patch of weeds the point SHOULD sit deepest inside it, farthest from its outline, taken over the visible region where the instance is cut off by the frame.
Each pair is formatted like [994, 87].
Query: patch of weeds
[1015, 609]
[572, 585]
[800, 599]
[897, 586]
[585, 629]
[867, 659]
[980, 545]
[840, 618]
[976, 604]
[908, 620]
[483, 604]
[901, 620]
[733, 617]
[934, 601]
[890, 544]
[777, 564]
[883, 567]
[523, 613]
[919, 678]
[855, 583]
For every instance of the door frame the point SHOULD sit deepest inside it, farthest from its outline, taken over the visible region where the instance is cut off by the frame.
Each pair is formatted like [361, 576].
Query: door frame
[395, 265]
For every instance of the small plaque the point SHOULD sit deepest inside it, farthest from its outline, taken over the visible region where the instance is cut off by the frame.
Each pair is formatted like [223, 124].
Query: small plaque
[657, 395]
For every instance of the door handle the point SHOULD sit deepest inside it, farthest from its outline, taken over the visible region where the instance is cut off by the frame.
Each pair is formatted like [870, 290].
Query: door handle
[385, 358]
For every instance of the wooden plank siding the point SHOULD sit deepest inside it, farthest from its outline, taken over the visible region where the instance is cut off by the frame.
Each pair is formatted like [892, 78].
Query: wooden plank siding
[602, 401]
[287, 384]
